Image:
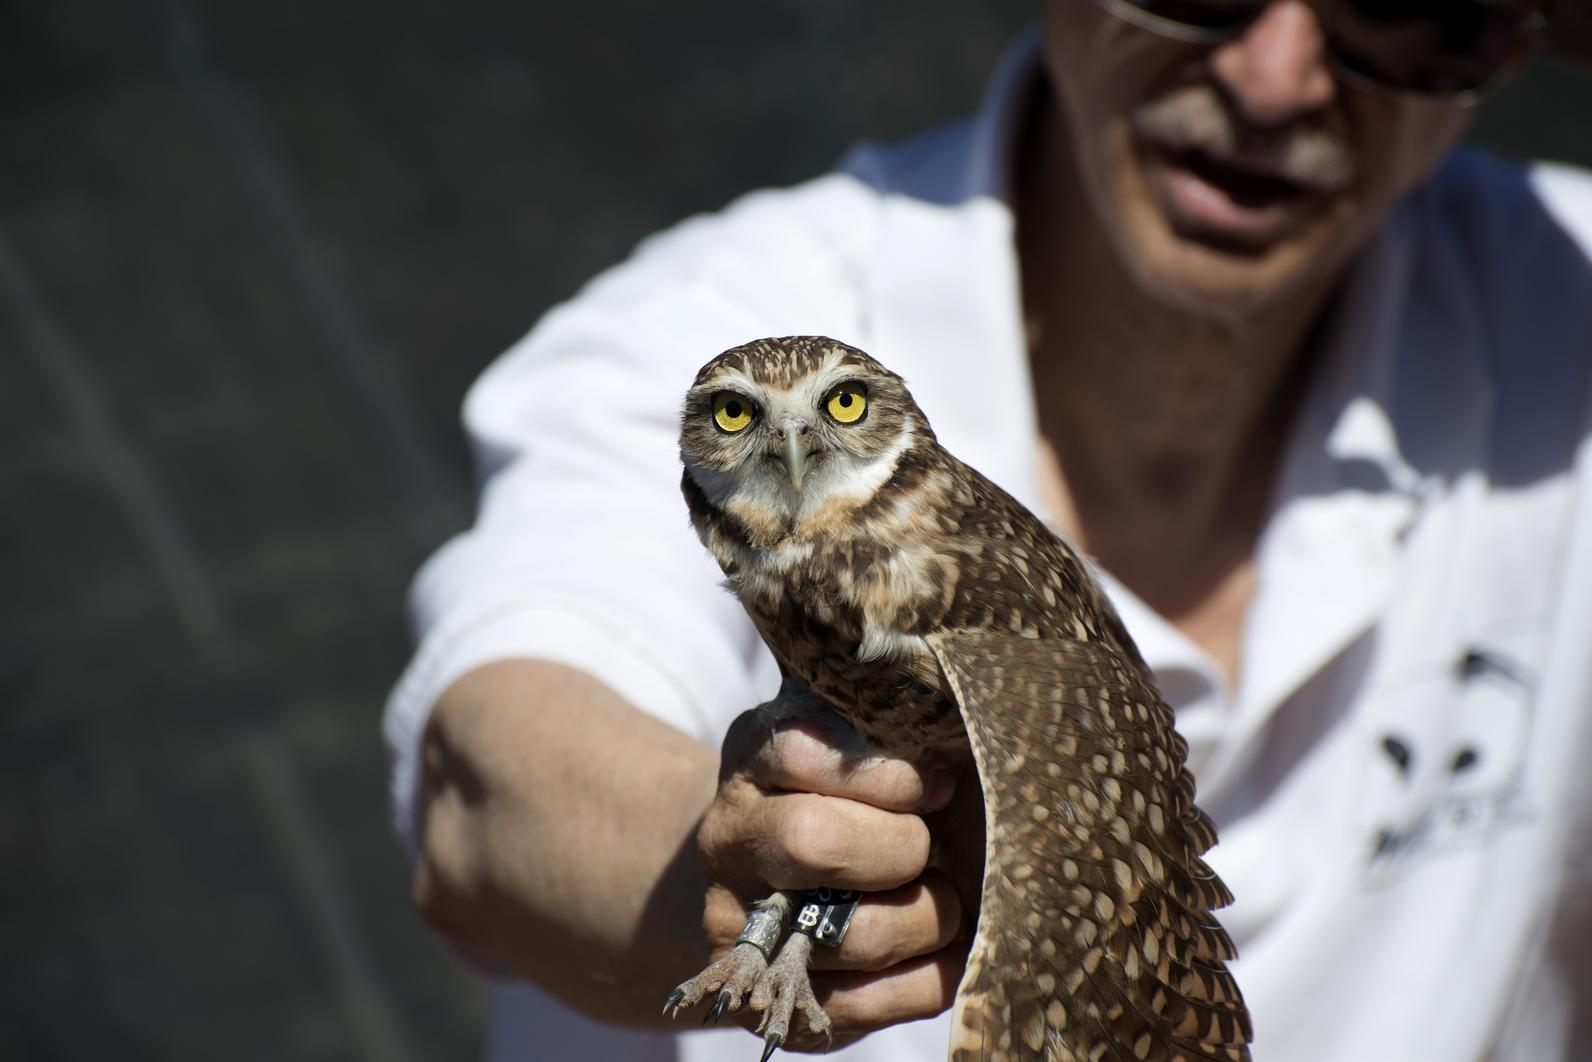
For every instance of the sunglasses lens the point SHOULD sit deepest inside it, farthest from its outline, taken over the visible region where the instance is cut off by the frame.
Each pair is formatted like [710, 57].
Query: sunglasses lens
[1431, 47]
[1175, 17]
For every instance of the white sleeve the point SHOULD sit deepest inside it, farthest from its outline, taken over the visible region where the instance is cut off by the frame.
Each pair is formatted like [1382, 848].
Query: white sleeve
[582, 551]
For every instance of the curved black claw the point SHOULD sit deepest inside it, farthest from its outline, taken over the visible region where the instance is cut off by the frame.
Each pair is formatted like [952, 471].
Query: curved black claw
[673, 1002]
[770, 1046]
[712, 1017]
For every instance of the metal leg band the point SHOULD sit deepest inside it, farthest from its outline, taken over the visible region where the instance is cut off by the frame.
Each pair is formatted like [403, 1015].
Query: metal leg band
[763, 930]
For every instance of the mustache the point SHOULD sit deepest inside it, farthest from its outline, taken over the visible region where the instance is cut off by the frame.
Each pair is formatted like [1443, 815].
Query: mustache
[1197, 118]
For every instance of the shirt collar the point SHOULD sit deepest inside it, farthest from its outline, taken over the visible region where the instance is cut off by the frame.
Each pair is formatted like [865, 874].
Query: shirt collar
[1395, 407]
[998, 124]
[1396, 411]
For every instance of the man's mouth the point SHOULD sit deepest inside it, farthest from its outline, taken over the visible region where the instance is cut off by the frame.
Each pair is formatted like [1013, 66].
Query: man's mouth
[1247, 186]
[1231, 200]
[1231, 184]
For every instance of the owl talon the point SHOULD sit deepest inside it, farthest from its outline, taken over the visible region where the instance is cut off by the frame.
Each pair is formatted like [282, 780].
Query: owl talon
[732, 978]
[786, 990]
[777, 991]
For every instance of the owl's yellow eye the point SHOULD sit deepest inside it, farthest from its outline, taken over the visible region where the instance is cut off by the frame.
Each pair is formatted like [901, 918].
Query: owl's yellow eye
[731, 412]
[847, 403]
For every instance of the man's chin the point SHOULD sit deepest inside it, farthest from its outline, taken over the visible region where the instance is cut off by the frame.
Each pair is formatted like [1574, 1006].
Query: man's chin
[1216, 251]
[1210, 275]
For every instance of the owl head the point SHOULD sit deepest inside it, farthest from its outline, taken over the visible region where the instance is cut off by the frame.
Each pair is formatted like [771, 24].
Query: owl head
[793, 425]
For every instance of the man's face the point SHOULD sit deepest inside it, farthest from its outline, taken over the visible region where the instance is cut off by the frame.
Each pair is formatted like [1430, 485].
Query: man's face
[1230, 176]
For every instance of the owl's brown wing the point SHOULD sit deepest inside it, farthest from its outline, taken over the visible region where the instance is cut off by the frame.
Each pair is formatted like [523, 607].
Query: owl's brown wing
[1095, 938]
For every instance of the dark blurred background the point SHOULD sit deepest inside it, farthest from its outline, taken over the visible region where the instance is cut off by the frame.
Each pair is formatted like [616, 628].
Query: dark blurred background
[250, 257]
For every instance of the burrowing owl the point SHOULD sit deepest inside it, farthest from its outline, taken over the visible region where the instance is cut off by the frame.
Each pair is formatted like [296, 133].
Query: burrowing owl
[939, 616]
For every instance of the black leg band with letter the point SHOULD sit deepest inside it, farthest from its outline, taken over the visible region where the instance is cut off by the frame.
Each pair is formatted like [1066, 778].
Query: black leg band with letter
[825, 914]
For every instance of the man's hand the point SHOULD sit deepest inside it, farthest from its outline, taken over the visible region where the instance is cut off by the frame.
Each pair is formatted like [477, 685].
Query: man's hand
[795, 811]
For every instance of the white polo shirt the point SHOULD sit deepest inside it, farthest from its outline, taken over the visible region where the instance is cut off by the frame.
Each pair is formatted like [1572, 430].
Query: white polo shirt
[1400, 777]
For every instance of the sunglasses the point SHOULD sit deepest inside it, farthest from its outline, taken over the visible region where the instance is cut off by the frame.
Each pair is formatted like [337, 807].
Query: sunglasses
[1446, 49]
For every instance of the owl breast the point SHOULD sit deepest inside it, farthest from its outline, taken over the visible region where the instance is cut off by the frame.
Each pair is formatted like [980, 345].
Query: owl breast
[848, 619]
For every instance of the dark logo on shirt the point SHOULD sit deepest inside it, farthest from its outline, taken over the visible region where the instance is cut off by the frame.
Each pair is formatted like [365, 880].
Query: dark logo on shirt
[1452, 761]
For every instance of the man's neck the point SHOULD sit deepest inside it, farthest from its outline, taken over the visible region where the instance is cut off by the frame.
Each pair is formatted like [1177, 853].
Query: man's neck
[1165, 425]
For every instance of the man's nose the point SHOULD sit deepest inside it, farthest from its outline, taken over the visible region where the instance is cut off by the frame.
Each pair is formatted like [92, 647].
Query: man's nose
[1276, 70]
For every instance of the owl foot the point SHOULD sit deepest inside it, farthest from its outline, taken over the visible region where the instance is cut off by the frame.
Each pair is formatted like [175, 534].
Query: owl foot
[778, 990]
[734, 976]
[784, 991]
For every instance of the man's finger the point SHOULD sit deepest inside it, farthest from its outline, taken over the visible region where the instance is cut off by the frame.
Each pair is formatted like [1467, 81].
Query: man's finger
[893, 926]
[805, 841]
[802, 756]
[908, 991]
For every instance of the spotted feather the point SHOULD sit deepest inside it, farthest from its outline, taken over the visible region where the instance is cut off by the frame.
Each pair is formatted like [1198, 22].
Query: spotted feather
[1095, 932]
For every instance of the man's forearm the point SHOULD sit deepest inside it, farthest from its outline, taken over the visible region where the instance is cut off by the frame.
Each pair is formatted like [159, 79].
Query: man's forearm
[558, 836]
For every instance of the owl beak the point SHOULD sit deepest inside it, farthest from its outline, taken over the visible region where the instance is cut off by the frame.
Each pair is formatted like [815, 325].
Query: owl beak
[796, 458]
[794, 453]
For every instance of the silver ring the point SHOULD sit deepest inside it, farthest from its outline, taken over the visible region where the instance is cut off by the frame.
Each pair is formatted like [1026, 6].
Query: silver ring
[763, 930]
